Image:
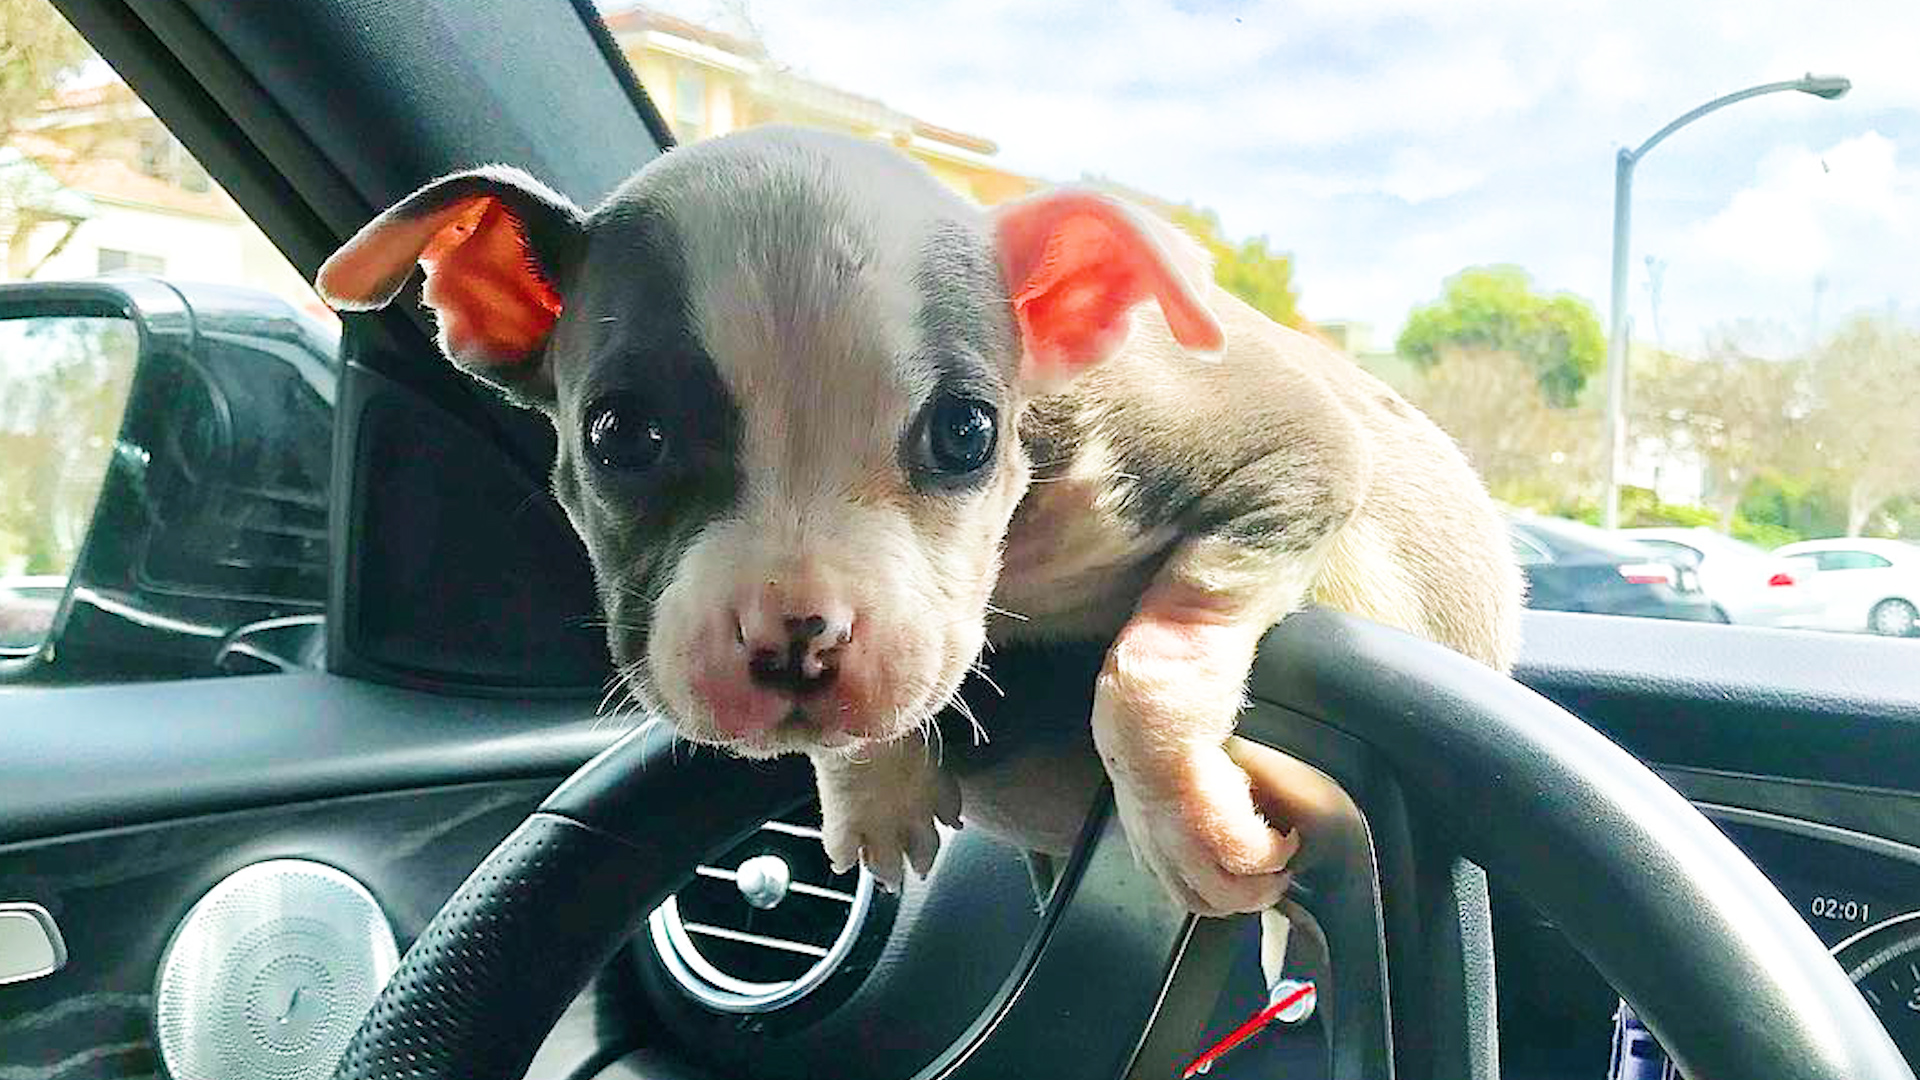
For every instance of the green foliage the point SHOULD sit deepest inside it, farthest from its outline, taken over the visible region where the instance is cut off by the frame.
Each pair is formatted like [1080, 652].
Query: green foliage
[37, 49]
[1903, 518]
[1641, 508]
[65, 381]
[1249, 270]
[1864, 393]
[1804, 507]
[1495, 308]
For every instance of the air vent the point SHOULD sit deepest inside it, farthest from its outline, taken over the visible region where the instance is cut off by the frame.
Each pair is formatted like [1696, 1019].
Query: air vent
[762, 925]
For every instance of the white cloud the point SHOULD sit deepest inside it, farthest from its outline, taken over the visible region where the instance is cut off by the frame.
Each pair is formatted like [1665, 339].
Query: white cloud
[1805, 208]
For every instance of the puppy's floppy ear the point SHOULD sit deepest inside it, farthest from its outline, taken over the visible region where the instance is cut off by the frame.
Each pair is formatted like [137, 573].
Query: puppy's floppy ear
[1077, 262]
[496, 244]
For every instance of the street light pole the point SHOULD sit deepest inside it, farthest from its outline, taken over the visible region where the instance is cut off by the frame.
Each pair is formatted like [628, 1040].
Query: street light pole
[1828, 87]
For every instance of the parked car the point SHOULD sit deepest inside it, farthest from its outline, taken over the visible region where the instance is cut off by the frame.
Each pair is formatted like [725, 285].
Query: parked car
[1575, 567]
[1753, 587]
[208, 548]
[1866, 584]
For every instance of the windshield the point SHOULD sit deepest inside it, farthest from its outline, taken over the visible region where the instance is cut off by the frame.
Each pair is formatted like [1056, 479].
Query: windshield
[1431, 187]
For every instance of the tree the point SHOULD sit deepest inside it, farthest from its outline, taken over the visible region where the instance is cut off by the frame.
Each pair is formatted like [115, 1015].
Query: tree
[1864, 399]
[64, 383]
[1731, 410]
[1495, 309]
[37, 50]
[1528, 452]
[1249, 269]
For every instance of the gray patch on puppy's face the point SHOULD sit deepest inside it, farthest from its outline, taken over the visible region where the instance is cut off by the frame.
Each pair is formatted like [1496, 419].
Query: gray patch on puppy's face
[626, 343]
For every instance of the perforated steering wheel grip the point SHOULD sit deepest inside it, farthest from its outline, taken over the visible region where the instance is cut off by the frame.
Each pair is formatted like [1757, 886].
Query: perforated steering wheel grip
[489, 976]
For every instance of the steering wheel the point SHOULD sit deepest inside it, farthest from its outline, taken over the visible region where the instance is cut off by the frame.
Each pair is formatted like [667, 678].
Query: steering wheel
[1402, 759]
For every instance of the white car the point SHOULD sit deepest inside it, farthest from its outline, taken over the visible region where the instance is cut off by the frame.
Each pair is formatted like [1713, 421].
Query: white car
[1868, 584]
[1752, 587]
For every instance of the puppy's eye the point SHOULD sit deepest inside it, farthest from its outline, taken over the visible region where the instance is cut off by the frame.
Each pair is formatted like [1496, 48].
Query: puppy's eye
[622, 434]
[960, 434]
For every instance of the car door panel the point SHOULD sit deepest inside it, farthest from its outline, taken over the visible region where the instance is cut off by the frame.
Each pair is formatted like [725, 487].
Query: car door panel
[118, 894]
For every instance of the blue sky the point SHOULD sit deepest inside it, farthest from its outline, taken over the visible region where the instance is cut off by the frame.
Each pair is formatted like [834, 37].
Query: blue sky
[1390, 143]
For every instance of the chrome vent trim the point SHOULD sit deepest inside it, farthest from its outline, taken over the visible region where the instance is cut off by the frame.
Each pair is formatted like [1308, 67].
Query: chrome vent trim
[676, 938]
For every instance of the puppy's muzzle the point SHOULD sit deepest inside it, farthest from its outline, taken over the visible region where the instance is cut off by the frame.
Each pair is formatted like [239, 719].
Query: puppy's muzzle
[800, 657]
[792, 663]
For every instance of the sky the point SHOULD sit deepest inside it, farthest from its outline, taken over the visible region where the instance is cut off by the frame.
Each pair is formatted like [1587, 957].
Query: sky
[1388, 144]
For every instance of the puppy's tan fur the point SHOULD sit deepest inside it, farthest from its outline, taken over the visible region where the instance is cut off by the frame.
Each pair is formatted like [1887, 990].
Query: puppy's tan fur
[785, 307]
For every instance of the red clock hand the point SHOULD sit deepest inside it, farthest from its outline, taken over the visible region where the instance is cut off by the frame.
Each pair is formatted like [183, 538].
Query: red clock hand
[1245, 1031]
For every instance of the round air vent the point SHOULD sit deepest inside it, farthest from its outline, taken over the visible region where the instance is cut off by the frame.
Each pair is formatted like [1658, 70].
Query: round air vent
[270, 973]
[764, 924]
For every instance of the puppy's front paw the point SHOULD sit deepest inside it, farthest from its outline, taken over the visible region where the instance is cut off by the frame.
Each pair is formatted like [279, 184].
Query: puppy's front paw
[882, 812]
[1199, 833]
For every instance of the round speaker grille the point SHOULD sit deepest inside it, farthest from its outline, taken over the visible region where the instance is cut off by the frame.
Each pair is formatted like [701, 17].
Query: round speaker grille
[270, 973]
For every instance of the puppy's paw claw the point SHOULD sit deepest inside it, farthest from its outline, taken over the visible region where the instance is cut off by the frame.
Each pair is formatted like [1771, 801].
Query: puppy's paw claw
[889, 824]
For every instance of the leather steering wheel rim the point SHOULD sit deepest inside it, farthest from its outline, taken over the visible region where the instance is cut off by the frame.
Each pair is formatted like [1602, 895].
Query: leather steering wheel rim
[1718, 965]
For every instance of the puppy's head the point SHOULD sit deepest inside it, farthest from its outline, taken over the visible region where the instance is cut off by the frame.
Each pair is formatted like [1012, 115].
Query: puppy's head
[786, 370]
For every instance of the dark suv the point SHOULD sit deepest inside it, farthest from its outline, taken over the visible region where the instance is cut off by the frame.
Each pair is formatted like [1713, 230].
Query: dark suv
[208, 545]
[1571, 566]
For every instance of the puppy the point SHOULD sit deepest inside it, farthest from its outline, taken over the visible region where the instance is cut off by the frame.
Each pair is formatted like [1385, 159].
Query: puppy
[827, 429]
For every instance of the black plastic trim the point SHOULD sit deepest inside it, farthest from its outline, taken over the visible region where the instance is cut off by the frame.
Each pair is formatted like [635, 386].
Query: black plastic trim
[87, 758]
[1841, 708]
[623, 71]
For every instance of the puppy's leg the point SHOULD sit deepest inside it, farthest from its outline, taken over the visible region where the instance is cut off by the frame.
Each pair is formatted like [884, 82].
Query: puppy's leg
[880, 808]
[1166, 703]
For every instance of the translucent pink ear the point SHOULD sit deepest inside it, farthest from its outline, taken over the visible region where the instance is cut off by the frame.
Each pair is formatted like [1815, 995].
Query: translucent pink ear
[489, 240]
[1077, 263]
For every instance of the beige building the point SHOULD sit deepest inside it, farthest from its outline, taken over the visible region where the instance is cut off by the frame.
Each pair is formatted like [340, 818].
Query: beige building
[705, 82]
[95, 184]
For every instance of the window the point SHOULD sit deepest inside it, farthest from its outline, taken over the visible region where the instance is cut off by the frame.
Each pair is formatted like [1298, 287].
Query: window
[113, 260]
[163, 496]
[162, 157]
[1685, 555]
[689, 105]
[1850, 560]
[1438, 205]
[1527, 552]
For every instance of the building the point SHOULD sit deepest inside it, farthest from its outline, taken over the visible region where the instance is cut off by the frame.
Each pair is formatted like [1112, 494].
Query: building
[706, 82]
[95, 184]
[1356, 340]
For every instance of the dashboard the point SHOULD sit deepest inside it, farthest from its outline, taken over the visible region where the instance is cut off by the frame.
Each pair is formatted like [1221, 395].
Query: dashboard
[1846, 857]
[406, 792]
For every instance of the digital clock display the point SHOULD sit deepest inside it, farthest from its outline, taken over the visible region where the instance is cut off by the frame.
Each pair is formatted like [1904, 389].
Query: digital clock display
[1839, 890]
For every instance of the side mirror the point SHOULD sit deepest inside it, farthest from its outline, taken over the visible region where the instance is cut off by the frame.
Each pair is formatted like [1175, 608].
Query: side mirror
[182, 435]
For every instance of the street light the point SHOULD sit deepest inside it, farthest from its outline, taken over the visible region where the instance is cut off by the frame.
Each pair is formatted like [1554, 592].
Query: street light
[1820, 86]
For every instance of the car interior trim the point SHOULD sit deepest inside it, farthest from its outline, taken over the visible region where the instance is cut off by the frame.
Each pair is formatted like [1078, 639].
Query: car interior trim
[1813, 830]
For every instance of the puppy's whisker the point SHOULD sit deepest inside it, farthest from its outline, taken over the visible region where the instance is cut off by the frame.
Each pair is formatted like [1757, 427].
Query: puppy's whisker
[959, 704]
[980, 671]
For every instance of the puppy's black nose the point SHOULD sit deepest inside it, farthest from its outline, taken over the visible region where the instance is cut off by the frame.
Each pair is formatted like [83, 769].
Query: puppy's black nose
[805, 630]
[805, 662]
